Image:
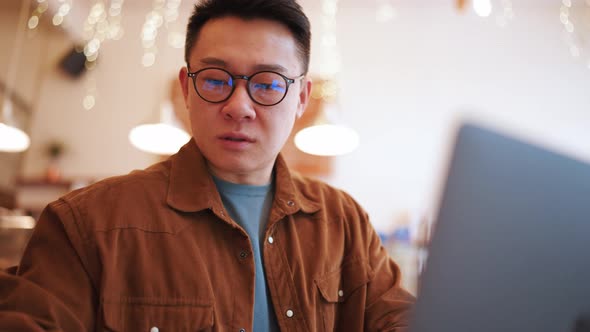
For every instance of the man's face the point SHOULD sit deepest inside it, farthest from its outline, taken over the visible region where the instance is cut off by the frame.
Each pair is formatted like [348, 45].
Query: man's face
[239, 138]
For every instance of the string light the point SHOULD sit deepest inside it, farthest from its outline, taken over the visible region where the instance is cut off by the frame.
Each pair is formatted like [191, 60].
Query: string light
[102, 24]
[385, 11]
[89, 100]
[63, 10]
[163, 13]
[507, 13]
[37, 13]
[330, 61]
[570, 34]
[176, 39]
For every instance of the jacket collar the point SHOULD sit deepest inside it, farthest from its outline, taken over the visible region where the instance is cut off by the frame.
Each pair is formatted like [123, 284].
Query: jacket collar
[191, 187]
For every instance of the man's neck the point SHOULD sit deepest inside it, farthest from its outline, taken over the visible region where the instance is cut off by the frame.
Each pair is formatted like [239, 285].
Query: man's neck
[256, 178]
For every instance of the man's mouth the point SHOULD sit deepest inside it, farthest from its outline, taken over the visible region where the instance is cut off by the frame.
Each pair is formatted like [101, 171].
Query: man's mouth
[236, 137]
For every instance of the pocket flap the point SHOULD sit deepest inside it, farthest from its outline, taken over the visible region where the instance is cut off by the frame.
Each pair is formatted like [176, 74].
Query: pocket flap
[336, 286]
[144, 315]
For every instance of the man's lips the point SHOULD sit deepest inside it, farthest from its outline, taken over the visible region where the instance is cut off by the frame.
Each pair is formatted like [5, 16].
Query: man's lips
[236, 137]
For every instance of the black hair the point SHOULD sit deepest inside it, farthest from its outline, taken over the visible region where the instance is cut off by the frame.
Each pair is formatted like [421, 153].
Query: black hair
[286, 12]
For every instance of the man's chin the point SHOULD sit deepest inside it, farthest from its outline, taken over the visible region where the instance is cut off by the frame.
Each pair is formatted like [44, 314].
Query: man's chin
[247, 171]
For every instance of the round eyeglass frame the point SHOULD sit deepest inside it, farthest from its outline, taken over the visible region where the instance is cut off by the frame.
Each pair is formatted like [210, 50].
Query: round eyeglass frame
[288, 82]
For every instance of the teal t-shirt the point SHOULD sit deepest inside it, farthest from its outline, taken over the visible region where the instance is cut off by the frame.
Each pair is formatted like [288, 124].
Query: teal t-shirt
[249, 206]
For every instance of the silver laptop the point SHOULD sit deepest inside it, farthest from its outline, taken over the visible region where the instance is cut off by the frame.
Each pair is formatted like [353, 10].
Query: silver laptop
[511, 245]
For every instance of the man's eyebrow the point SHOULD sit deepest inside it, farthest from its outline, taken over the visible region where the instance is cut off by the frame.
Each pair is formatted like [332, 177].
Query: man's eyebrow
[211, 61]
[269, 67]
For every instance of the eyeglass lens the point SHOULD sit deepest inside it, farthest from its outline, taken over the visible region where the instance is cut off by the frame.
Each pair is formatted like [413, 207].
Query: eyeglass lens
[215, 85]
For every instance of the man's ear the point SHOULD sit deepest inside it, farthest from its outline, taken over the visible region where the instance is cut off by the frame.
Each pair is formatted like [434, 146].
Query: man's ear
[183, 80]
[304, 95]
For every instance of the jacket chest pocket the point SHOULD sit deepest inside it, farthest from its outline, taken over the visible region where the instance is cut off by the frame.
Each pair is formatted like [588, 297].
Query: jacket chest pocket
[342, 294]
[157, 316]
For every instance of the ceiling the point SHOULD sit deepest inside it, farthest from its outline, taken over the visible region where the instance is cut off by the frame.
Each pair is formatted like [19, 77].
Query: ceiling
[80, 8]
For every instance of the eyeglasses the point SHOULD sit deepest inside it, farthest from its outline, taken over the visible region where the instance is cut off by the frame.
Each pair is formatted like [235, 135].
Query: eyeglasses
[266, 88]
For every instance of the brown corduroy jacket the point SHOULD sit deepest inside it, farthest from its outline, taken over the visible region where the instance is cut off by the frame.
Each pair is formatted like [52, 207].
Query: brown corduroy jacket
[156, 249]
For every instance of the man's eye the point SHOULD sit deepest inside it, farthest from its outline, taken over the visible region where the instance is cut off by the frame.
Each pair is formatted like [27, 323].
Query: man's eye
[274, 86]
[215, 82]
[264, 86]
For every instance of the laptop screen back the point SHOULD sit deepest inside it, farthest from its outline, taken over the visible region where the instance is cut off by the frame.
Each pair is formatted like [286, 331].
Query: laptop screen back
[511, 246]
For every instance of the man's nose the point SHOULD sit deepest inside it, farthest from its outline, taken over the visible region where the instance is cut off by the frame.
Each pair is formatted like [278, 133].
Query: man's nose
[239, 106]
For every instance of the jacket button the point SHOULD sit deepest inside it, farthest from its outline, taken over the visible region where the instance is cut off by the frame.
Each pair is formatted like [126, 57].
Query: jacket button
[154, 329]
[340, 293]
[289, 313]
[290, 203]
[243, 254]
[242, 330]
[271, 240]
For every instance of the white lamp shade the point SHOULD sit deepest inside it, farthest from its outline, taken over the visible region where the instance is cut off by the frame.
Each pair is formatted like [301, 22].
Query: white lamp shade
[158, 138]
[13, 139]
[482, 8]
[327, 140]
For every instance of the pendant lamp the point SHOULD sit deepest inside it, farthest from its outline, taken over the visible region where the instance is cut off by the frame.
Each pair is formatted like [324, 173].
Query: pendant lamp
[162, 138]
[327, 136]
[13, 139]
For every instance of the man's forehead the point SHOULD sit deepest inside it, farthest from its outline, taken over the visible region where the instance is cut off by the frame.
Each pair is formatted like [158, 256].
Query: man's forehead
[257, 44]
[236, 27]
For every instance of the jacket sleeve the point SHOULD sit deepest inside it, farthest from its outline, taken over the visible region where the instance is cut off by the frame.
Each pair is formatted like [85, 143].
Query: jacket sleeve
[388, 305]
[52, 289]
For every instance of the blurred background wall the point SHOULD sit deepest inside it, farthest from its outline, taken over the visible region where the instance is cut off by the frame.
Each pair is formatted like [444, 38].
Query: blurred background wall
[410, 70]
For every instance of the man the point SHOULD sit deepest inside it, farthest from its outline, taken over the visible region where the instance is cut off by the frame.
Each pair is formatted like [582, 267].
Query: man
[221, 236]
